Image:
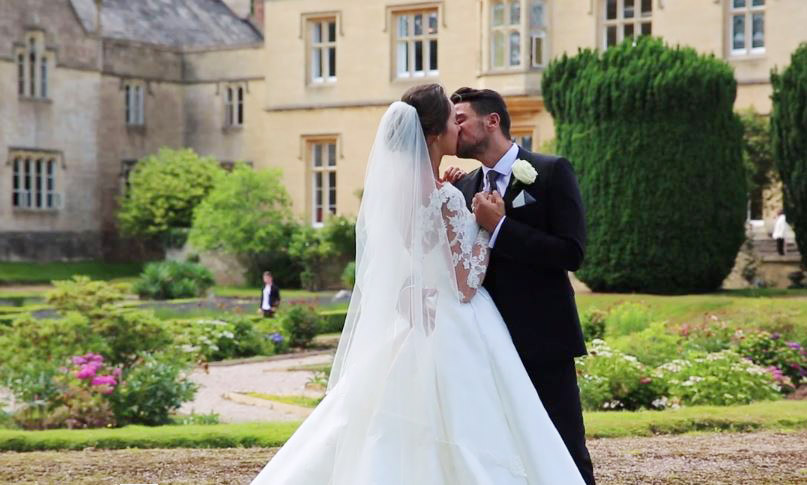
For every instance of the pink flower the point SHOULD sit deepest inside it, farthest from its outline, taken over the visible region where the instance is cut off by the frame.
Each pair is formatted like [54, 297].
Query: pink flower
[645, 380]
[104, 381]
[88, 371]
[78, 360]
[116, 372]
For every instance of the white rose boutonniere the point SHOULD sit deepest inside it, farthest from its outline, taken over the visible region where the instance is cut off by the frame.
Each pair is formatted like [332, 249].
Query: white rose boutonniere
[524, 172]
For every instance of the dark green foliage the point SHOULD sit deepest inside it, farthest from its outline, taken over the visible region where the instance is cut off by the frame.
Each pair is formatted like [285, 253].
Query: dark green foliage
[789, 133]
[173, 279]
[657, 151]
[302, 324]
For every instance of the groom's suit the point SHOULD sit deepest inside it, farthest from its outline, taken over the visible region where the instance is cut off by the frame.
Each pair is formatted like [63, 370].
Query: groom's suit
[537, 244]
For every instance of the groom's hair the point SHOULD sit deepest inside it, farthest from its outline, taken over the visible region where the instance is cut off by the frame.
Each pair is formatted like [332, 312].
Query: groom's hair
[485, 102]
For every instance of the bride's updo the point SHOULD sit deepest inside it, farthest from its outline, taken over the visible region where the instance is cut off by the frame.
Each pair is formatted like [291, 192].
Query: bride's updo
[432, 105]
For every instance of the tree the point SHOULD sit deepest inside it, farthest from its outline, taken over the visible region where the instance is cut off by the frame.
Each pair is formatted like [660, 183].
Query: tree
[248, 214]
[789, 134]
[163, 191]
[657, 149]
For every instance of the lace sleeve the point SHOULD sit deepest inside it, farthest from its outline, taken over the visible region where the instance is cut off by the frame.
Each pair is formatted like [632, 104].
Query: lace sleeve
[468, 243]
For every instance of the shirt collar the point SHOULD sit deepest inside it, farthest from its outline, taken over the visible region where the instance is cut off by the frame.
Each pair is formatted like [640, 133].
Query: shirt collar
[505, 164]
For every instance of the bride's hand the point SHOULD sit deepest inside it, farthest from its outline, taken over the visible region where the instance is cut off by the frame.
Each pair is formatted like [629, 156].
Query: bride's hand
[452, 174]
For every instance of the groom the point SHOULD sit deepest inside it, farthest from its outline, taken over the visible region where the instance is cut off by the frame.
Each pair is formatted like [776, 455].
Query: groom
[535, 241]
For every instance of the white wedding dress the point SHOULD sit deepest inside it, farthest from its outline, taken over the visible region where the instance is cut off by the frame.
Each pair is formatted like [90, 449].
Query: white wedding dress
[427, 387]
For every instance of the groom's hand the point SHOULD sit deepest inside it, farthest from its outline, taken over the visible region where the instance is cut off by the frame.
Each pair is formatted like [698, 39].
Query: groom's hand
[488, 209]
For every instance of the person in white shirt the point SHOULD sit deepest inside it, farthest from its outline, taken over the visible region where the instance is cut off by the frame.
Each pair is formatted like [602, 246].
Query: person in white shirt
[780, 228]
[270, 296]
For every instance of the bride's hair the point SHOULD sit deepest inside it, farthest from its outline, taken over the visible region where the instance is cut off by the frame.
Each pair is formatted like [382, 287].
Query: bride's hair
[432, 105]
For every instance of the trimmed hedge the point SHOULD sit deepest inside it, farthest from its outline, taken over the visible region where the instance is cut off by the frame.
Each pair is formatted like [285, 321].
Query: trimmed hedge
[789, 134]
[333, 321]
[657, 149]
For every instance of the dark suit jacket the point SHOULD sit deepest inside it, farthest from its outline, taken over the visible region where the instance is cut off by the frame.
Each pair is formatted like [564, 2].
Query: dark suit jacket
[274, 296]
[537, 244]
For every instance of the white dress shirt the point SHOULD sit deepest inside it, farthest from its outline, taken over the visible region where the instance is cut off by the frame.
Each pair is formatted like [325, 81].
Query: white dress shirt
[780, 228]
[505, 168]
[267, 292]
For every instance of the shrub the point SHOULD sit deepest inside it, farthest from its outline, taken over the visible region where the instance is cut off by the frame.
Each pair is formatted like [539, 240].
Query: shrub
[627, 318]
[789, 143]
[173, 279]
[349, 275]
[711, 335]
[771, 350]
[302, 323]
[592, 322]
[163, 191]
[620, 118]
[333, 321]
[718, 379]
[653, 346]
[610, 379]
[152, 390]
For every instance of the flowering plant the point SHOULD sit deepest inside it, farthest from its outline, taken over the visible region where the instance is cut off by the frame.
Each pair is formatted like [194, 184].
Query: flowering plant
[772, 351]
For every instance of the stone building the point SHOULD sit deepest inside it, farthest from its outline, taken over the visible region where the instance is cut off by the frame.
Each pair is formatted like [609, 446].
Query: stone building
[123, 78]
[88, 87]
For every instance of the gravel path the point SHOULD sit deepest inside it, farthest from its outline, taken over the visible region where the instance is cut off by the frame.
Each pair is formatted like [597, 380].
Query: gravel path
[219, 382]
[731, 459]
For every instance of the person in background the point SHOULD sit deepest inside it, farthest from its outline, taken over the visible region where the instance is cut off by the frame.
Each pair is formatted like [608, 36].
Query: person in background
[780, 228]
[270, 296]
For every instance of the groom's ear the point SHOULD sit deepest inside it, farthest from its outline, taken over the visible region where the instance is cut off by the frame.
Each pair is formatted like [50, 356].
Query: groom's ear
[493, 122]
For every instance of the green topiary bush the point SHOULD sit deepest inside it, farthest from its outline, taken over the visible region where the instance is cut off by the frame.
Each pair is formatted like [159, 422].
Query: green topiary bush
[657, 149]
[173, 279]
[789, 133]
[302, 324]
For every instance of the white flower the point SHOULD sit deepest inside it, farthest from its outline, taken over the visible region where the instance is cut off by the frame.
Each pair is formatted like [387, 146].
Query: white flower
[524, 172]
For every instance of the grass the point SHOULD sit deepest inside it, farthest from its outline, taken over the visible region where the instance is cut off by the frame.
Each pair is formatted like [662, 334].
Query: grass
[38, 273]
[777, 415]
[787, 315]
[304, 401]
[254, 292]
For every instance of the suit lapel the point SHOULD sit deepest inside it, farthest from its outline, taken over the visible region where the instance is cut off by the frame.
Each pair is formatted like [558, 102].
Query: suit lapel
[472, 186]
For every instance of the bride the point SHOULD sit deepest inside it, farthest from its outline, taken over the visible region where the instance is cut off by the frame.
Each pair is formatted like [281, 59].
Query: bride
[426, 386]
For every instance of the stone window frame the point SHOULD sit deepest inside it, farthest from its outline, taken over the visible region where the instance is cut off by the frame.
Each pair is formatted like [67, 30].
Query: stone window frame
[321, 179]
[622, 25]
[748, 11]
[521, 134]
[134, 94]
[34, 179]
[235, 94]
[428, 39]
[325, 49]
[34, 63]
[530, 32]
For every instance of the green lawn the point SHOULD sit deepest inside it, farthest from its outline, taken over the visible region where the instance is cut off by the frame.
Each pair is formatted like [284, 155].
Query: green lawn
[304, 401]
[779, 415]
[255, 292]
[38, 273]
[743, 309]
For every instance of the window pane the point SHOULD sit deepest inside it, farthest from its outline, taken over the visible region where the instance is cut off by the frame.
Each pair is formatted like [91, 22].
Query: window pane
[403, 26]
[628, 9]
[646, 28]
[739, 3]
[418, 24]
[316, 63]
[318, 197]
[537, 51]
[610, 36]
[515, 12]
[497, 15]
[403, 58]
[332, 192]
[537, 15]
[515, 48]
[331, 154]
[317, 33]
[128, 103]
[418, 56]
[32, 73]
[433, 23]
[38, 184]
[317, 155]
[758, 35]
[332, 31]
[498, 49]
[610, 9]
[332, 61]
[647, 8]
[21, 74]
[738, 32]
[757, 3]
[44, 75]
[432, 55]
[628, 31]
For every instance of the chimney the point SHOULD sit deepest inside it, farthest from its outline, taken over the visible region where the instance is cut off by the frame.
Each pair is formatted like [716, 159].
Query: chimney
[256, 13]
[98, 5]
